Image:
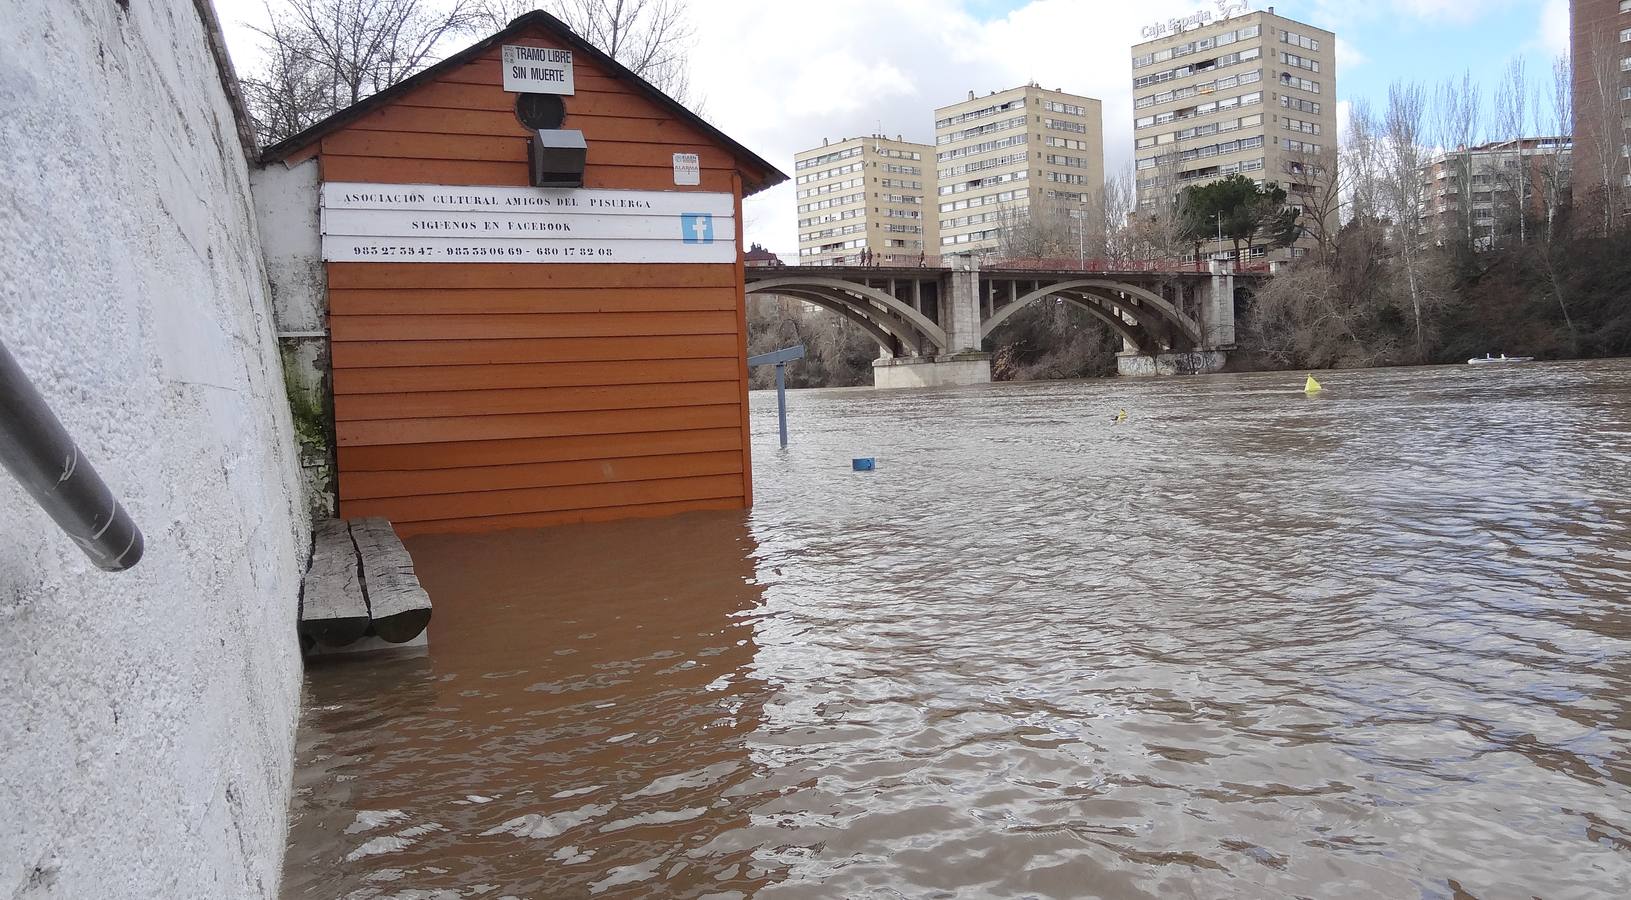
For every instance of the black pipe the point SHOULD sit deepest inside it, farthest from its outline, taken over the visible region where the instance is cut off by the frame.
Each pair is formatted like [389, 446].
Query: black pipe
[37, 451]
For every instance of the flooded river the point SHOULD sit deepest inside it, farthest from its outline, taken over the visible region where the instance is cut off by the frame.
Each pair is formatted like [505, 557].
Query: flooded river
[1245, 643]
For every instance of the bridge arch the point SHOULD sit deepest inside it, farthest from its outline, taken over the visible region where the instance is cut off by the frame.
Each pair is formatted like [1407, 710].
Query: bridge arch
[890, 335]
[1106, 292]
[1136, 335]
[864, 300]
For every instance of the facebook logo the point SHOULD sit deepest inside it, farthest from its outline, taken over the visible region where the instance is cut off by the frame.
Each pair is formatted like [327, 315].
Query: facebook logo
[698, 228]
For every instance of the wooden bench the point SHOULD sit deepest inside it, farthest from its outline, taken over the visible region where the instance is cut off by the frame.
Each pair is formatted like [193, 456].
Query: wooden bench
[361, 583]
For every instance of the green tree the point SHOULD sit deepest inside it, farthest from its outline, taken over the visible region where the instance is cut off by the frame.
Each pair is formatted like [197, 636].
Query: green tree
[1246, 213]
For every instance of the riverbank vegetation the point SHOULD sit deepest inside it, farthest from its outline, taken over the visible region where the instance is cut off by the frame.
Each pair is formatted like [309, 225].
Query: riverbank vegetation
[1447, 253]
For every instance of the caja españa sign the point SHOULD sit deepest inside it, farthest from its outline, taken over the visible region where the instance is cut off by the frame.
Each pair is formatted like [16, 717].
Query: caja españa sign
[1227, 9]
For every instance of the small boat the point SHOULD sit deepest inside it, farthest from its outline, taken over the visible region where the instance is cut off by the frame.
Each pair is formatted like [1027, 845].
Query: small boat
[1488, 360]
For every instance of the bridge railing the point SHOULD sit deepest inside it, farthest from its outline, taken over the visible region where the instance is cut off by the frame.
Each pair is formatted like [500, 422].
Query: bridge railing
[1029, 264]
[1075, 264]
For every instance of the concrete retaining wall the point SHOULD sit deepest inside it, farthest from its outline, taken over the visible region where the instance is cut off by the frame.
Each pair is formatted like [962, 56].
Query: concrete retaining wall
[941, 371]
[1200, 362]
[147, 718]
[286, 211]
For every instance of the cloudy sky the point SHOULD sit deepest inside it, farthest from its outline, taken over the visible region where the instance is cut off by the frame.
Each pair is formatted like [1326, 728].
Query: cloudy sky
[779, 76]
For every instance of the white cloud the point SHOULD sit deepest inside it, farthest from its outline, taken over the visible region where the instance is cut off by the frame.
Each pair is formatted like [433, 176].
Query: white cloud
[1554, 27]
[1340, 15]
[1348, 56]
[1442, 10]
[780, 77]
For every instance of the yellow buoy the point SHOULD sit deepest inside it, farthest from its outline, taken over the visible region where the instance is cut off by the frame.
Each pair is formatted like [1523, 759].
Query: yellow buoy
[1312, 387]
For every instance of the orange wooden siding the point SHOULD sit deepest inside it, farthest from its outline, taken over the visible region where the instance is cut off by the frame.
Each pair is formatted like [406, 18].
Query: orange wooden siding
[472, 396]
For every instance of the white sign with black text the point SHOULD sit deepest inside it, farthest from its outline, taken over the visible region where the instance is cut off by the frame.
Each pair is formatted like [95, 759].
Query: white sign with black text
[464, 223]
[537, 70]
[687, 168]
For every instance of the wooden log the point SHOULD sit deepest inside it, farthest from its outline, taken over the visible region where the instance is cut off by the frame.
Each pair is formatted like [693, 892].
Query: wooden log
[333, 611]
[398, 606]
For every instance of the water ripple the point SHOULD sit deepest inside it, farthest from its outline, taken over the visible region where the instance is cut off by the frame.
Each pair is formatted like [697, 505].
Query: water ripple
[1246, 644]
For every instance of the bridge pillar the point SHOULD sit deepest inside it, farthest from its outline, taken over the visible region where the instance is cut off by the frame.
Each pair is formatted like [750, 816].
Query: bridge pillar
[1218, 307]
[962, 309]
[963, 363]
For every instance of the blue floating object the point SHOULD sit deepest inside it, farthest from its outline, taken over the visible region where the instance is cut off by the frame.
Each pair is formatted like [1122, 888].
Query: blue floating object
[864, 463]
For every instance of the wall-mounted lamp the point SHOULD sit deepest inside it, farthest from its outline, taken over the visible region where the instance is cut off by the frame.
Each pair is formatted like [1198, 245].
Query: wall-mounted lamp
[555, 156]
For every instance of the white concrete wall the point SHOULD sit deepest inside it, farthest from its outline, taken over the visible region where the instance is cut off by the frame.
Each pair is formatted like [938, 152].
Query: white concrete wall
[286, 210]
[147, 717]
[286, 213]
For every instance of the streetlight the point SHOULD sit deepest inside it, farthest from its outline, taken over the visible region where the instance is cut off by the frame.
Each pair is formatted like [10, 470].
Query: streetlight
[1081, 230]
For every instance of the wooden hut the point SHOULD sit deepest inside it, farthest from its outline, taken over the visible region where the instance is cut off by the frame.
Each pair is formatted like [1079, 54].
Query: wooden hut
[505, 355]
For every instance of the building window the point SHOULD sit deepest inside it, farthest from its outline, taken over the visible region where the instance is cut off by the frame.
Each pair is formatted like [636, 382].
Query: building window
[1625, 33]
[1302, 84]
[1625, 5]
[955, 136]
[1297, 40]
[1307, 106]
[1301, 62]
[827, 158]
[1227, 59]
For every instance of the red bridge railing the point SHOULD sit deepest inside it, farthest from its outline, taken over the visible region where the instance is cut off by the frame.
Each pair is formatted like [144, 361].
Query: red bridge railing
[1072, 264]
[1035, 264]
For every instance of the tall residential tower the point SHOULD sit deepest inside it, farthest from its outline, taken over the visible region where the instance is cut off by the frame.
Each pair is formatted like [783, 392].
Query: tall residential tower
[865, 193]
[1252, 94]
[1008, 159]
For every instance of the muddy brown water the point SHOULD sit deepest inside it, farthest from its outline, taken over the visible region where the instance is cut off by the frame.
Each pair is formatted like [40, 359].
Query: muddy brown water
[1246, 643]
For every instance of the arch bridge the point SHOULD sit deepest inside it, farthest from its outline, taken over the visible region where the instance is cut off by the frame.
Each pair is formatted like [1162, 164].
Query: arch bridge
[931, 317]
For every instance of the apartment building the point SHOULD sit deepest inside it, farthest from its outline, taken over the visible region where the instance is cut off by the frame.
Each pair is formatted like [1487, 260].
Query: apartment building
[863, 194]
[1476, 194]
[1252, 94]
[1006, 160]
[1600, 53]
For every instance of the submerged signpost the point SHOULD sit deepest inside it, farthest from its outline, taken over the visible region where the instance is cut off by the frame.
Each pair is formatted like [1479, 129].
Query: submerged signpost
[779, 359]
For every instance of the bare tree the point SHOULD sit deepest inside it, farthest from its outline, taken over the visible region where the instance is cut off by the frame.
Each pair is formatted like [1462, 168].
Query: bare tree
[325, 55]
[1457, 113]
[1602, 129]
[1036, 231]
[1512, 121]
[288, 92]
[1403, 179]
[651, 38]
[1321, 187]
[1159, 227]
[1557, 111]
[1363, 243]
[1118, 204]
[1363, 160]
